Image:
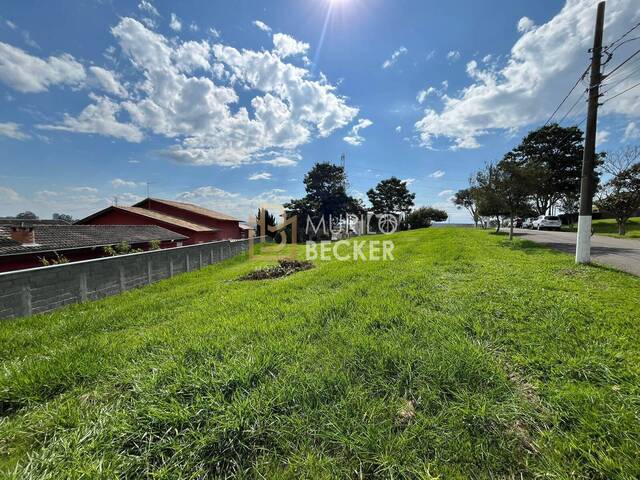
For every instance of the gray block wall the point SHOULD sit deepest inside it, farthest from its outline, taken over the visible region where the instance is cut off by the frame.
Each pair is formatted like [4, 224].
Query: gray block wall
[38, 290]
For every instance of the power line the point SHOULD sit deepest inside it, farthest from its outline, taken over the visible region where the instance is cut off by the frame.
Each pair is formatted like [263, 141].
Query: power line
[622, 36]
[567, 96]
[620, 65]
[624, 91]
[619, 81]
[572, 107]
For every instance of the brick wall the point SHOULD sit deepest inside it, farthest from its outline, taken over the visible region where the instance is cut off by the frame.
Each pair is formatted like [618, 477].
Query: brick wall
[38, 290]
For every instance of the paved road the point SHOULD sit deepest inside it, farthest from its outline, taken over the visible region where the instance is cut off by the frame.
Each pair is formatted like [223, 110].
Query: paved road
[618, 253]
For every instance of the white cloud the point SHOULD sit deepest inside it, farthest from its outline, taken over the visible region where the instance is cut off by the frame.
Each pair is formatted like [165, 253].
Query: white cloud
[602, 136]
[194, 27]
[108, 81]
[10, 24]
[262, 26]
[354, 137]
[398, 129]
[285, 45]
[175, 24]
[453, 55]
[423, 94]
[120, 183]
[437, 174]
[148, 7]
[281, 161]
[430, 55]
[99, 118]
[260, 176]
[540, 69]
[631, 132]
[9, 195]
[29, 74]
[234, 203]
[409, 181]
[214, 32]
[128, 198]
[83, 189]
[394, 57]
[525, 24]
[446, 193]
[12, 130]
[187, 93]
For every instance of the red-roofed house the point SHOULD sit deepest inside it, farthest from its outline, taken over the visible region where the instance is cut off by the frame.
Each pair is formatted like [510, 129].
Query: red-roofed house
[198, 223]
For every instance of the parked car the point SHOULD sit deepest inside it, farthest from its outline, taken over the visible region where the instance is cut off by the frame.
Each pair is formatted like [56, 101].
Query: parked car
[547, 222]
[528, 223]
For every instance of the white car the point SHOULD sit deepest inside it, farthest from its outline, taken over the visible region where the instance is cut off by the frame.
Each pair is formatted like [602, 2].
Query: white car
[528, 223]
[549, 222]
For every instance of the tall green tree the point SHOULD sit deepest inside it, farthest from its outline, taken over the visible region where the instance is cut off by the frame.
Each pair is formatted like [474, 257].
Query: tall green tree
[423, 217]
[391, 196]
[468, 198]
[490, 201]
[514, 183]
[326, 198]
[620, 196]
[554, 155]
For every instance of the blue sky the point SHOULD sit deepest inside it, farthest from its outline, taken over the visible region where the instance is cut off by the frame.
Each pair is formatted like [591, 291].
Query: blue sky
[228, 104]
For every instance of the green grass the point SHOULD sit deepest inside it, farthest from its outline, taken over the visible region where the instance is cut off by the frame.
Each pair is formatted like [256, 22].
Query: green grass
[609, 227]
[521, 365]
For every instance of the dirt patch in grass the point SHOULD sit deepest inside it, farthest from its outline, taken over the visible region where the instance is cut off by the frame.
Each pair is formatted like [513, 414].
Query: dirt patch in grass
[284, 268]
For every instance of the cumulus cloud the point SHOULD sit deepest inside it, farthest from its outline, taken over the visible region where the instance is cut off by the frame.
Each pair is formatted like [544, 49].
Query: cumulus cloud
[437, 174]
[631, 132]
[423, 94]
[453, 55]
[540, 69]
[260, 176]
[12, 130]
[108, 81]
[285, 46]
[354, 137]
[262, 26]
[281, 161]
[29, 74]
[148, 7]
[9, 195]
[525, 24]
[234, 203]
[394, 57]
[99, 118]
[120, 183]
[186, 92]
[175, 24]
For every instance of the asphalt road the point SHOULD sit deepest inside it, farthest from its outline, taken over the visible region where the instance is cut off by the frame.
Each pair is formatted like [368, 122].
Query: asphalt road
[618, 253]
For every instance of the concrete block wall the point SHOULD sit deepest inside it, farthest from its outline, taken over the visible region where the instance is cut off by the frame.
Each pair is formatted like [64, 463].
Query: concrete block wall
[38, 290]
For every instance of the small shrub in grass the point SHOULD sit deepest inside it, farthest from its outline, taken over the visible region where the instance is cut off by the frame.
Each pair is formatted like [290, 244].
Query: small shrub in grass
[284, 268]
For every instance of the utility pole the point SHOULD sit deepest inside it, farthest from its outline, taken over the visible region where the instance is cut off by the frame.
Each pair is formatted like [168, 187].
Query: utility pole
[583, 246]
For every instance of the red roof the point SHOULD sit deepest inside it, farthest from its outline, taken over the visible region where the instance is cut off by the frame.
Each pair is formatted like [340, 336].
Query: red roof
[162, 217]
[206, 212]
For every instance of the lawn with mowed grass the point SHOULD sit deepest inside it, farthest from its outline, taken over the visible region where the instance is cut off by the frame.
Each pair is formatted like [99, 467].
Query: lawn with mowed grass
[609, 227]
[466, 357]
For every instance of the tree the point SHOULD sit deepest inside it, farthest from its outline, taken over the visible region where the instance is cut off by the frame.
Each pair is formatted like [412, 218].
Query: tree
[62, 216]
[554, 156]
[620, 196]
[514, 183]
[424, 216]
[27, 216]
[467, 198]
[570, 205]
[326, 199]
[269, 220]
[391, 196]
[489, 199]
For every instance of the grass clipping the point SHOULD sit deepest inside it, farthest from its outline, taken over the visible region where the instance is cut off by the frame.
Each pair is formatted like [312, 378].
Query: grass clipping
[284, 268]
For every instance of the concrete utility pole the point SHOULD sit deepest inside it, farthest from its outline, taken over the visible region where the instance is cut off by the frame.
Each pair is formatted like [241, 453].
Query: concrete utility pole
[583, 244]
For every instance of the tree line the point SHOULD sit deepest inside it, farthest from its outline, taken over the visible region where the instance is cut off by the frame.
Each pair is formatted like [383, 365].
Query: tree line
[544, 171]
[326, 196]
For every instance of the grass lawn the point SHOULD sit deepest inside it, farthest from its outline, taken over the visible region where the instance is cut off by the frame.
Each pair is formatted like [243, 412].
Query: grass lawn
[519, 363]
[609, 227]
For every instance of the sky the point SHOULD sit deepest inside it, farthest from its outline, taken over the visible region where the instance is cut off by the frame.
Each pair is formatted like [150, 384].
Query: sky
[229, 104]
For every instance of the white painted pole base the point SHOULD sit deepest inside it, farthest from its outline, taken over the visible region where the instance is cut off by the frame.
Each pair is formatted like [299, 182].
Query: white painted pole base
[583, 245]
